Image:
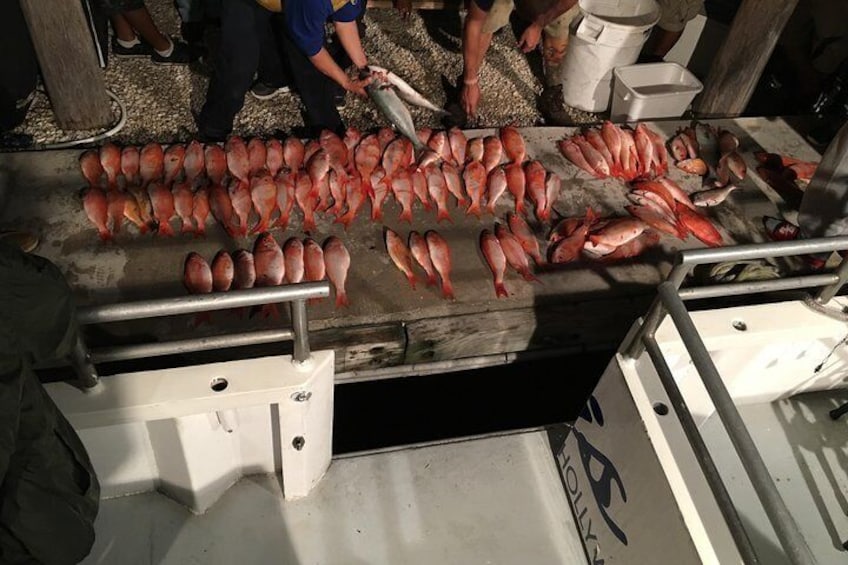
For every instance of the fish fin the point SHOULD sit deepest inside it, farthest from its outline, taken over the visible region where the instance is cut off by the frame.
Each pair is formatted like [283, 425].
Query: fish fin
[519, 207]
[447, 290]
[529, 277]
[500, 290]
[341, 299]
[165, 229]
[261, 226]
[202, 318]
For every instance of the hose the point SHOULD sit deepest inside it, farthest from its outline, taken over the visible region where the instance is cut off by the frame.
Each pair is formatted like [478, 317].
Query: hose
[122, 121]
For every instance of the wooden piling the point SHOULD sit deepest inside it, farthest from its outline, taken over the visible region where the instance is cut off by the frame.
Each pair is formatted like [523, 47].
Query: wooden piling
[740, 61]
[68, 61]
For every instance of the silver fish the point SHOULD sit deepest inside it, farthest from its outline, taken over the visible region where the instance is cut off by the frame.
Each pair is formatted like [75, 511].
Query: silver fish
[712, 197]
[393, 109]
[405, 90]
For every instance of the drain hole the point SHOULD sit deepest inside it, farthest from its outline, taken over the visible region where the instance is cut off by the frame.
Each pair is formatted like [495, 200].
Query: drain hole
[739, 325]
[660, 408]
[218, 384]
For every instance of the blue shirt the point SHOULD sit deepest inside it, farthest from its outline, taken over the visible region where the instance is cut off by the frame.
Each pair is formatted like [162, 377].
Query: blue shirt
[305, 20]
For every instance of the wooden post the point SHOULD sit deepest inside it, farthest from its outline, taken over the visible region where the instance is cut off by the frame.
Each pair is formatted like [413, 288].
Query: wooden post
[739, 63]
[68, 61]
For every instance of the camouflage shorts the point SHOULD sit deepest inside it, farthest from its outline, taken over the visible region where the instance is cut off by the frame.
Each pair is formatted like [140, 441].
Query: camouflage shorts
[501, 10]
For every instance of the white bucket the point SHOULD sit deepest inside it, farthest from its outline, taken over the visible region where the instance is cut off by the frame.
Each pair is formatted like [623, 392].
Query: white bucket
[607, 34]
[654, 90]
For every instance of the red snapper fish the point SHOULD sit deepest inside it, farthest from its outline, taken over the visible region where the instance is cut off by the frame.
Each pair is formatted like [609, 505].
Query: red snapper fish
[239, 192]
[535, 174]
[495, 187]
[569, 247]
[257, 154]
[402, 189]
[337, 261]
[130, 158]
[514, 253]
[91, 168]
[572, 152]
[110, 160]
[263, 194]
[293, 153]
[216, 164]
[458, 142]
[184, 205]
[355, 197]
[286, 182]
[475, 176]
[222, 207]
[307, 200]
[495, 258]
[492, 152]
[223, 270]
[163, 207]
[274, 156]
[244, 275]
[270, 267]
[238, 158]
[521, 230]
[195, 157]
[421, 254]
[513, 144]
[440, 255]
[151, 163]
[200, 210]
[197, 278]
[96, 208]
[400, 255]
[115, 203]
[173, 159]
[699, 226]
[293, 254]
[438, 189]
[454, 184]
[516, 182]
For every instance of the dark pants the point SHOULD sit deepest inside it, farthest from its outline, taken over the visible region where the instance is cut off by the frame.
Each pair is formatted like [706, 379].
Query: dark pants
[245, 35]
[248, 46]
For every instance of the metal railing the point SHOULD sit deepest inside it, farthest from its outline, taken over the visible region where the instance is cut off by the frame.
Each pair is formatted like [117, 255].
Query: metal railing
[84, 360]
[670, 301]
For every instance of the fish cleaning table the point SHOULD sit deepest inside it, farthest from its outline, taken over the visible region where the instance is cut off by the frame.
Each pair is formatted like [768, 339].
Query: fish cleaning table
[582, 305]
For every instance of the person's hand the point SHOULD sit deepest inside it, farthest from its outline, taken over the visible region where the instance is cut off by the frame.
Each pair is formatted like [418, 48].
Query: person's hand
[530, 38]
[357, 85]
[469, 98]
[404, 8]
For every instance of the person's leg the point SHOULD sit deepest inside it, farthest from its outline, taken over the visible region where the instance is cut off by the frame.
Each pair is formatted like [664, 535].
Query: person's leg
[144, 25]
[122, 28]
[674, 15]
[496, 19]
[271, 70]
[237, 62]
[316, 89]
[554, 46]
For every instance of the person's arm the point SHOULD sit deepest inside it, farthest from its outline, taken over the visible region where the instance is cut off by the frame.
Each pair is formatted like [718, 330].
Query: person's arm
[348, 34]
[324, 62]
[530, 38]
[471, 58]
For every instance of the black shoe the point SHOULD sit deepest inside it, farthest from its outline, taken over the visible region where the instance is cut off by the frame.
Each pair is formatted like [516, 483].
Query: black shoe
[181, 54]
[140, 49]
[552, 107]
[264, 91]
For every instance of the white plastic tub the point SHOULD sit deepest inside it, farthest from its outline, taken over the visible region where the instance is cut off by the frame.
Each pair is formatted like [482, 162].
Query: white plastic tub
[606, 35]
[653, 90]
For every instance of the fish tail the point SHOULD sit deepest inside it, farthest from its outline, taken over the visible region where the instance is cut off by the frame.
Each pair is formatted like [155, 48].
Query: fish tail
[406, 215]
[376, 213]
[202, 318]
[432, 280]
[519, 207]
[500, 290]
[462, 202]
[447, 289]
[260, 227]
[187, 227]
[105, 234]
[344, 220]
[341, 299]
[443, 214]
[309, 223]
[529, 277]
[165, 229]
[490, 208]
[412, 280]
[474, 209]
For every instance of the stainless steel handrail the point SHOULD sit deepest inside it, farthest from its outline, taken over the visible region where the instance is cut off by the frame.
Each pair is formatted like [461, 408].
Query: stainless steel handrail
[670, 300]
[784, 525]
[83, 360]
[689, 259]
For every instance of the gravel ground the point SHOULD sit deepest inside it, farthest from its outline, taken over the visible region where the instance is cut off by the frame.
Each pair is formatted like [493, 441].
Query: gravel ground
[423, 50]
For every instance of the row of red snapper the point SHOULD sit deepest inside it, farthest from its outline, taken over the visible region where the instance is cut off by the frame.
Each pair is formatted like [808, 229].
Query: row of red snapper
[150, 186]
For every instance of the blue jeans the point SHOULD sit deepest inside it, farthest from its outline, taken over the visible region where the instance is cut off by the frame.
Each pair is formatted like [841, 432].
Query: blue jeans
[196, 10]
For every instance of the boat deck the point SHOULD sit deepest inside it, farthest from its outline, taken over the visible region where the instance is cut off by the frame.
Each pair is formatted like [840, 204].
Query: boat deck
[492, 500]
